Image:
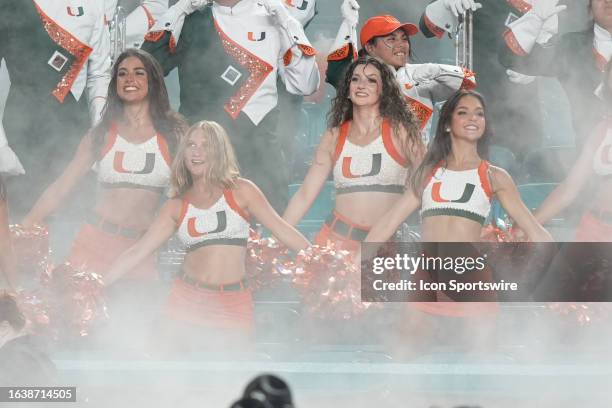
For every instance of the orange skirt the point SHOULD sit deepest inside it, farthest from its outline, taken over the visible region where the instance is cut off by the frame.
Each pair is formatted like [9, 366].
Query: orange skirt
[591, 229]
[210, 308]
[327, 235]
[96, 250]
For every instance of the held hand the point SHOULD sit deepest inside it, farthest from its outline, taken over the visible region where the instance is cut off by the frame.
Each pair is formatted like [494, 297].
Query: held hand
[350, 12]
[458, 7]
[517, 234]
[520, 79]
[277, 10]
[545, 9]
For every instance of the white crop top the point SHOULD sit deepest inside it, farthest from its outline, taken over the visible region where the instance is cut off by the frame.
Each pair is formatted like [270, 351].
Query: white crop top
[377, 166]
[128, 165]
[458, 193]
[223, 223]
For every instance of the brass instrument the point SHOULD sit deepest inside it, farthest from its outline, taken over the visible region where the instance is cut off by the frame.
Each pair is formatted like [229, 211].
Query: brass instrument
[464, 41]
[118, 33]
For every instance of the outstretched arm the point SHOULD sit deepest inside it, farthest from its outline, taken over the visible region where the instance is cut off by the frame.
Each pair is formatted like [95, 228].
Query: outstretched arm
[256, 204]
[566, 192]
[313, 182]
[345, 46]
[298, 66]
[509, 197]
[56, 193]
[160, 231]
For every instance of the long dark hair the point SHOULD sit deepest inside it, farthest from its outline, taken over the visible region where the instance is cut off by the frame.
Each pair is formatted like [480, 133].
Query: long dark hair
[165, 120]
[392, 104]
[440, 147]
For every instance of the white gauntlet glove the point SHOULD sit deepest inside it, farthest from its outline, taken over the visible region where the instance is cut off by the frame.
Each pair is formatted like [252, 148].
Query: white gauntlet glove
[537, 25]
[425, 73]
[350, 12]
[545, 9]
[458, 7]
[520, 79]
[277, 10]
[189, 6]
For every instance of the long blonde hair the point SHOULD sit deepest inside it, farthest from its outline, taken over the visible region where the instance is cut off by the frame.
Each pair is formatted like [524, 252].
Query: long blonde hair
[223, 167]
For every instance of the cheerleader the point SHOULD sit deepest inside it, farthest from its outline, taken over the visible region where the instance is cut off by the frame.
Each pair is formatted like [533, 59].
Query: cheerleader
[132, 149]
[371, 144]
[211, 212]
[593, 164]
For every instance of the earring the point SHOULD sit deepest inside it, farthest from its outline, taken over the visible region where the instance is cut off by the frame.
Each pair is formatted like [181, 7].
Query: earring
[448, 129]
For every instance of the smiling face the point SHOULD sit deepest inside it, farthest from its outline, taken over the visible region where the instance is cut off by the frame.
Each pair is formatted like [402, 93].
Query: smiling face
[366, 85]
[468, 119]
[602, 13]
[393, 49]
[195, 154]
[132, 80]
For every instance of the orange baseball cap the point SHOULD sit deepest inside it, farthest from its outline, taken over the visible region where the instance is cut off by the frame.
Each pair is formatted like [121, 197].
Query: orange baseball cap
[379, 26]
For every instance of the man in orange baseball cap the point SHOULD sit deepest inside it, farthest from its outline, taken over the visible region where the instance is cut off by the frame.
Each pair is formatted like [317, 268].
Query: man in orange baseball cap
[387, 39]
[384, 37]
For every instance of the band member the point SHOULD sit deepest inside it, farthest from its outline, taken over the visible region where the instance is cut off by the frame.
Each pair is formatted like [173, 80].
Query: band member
[576, 59]
[453, 188]
[210, 213]
[511, 96]
[386, 38]
[55, 52]
[371, 144]
[229, 56]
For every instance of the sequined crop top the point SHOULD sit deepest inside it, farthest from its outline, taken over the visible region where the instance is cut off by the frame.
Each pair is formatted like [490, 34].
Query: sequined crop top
[464, 193]
[223, 223]
[377, 166]
[144, 165]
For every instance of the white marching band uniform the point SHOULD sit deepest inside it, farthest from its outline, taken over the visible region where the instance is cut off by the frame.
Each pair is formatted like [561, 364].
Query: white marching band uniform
[87, 22]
